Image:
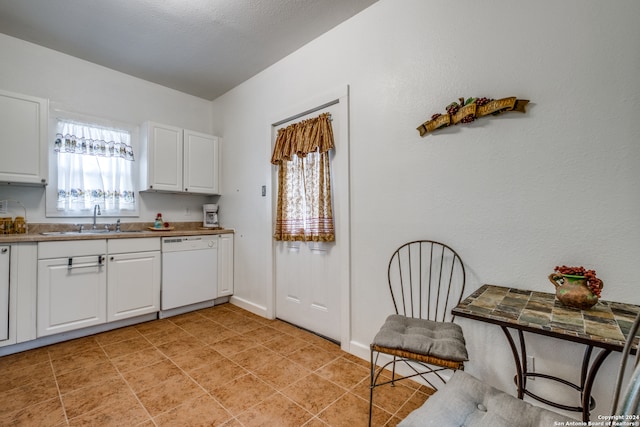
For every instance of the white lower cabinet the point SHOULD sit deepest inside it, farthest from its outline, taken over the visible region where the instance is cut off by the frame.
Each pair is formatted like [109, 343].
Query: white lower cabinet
[133, 278]
[5, 303]
[72, 286]
[90, 282]
[22, 268]
[225, 264]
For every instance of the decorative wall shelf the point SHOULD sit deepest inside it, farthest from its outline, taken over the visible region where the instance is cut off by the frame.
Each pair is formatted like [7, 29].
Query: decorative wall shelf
[470, 110]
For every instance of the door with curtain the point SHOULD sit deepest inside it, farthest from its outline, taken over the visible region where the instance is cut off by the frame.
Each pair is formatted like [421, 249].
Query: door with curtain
[310, 276]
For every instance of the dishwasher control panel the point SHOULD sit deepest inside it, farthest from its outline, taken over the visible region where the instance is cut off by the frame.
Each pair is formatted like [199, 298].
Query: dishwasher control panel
[187, 243]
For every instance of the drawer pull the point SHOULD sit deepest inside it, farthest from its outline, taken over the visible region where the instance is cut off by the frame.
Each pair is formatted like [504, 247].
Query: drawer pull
[70, 265]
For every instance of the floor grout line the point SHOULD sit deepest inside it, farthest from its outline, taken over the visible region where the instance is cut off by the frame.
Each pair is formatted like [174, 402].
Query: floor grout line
[211, 329]
[55, 379]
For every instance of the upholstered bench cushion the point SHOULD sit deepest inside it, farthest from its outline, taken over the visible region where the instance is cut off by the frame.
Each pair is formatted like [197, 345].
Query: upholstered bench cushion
[466, 401]
[441, 339]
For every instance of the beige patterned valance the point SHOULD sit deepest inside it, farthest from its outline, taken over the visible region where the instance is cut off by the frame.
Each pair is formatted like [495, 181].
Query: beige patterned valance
[307, 136]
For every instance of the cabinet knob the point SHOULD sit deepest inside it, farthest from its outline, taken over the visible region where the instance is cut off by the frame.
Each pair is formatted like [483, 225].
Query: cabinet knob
[112, 258]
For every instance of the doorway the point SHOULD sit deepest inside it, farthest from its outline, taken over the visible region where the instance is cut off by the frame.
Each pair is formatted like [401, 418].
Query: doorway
[311, 280]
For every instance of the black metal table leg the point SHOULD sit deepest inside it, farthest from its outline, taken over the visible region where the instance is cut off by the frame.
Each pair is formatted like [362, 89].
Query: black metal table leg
[588, 374]
[588, 403]
[516, 358]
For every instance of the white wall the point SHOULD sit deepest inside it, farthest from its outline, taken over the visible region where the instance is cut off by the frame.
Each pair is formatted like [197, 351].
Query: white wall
[515, 195]
[78, 86]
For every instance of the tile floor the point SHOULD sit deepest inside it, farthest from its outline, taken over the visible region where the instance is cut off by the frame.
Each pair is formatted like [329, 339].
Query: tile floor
[220, 366]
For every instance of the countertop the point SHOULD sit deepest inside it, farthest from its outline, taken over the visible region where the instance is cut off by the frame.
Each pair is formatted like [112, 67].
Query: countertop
[129, 230]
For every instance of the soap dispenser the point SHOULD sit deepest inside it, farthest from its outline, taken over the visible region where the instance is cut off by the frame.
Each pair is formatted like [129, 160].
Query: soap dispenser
[158, 223]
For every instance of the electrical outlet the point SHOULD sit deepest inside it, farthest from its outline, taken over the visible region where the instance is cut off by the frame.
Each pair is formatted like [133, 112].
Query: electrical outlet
[3, 207]
[187, 211]
[531, 366]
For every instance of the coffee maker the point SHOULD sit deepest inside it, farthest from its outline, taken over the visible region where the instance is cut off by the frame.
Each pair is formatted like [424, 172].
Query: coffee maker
[210, 212]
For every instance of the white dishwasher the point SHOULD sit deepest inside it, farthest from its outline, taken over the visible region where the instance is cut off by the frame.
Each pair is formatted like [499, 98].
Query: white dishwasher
[189, 273]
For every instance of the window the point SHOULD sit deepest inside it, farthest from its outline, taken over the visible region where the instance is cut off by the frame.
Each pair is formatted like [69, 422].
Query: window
[91, 165]
[304, 209]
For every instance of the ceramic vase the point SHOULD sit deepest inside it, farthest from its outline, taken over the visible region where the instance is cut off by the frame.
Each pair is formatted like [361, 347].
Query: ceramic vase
[572, 291]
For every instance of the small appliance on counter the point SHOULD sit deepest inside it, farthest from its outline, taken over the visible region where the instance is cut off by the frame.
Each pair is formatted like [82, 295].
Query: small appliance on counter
[210, 215]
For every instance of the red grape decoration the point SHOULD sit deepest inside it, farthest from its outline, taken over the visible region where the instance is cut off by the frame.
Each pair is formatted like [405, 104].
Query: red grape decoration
[593, 282]
[467, 110]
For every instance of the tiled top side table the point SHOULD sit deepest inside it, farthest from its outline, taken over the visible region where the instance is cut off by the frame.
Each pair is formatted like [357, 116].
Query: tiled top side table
[604, 326]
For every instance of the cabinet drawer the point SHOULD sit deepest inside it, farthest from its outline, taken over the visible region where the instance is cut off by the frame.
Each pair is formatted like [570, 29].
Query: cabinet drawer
[71, 248]
[121, 246]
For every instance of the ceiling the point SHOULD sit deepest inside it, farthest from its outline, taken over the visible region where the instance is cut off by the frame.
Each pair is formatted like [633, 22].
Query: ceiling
[201, 47]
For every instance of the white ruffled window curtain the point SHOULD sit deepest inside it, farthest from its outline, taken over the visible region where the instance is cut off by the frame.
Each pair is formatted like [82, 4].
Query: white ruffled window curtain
[95, 167]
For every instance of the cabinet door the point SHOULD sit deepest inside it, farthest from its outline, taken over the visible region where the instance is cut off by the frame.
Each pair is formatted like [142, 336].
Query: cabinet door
[133, 285]
[201, 163]
[164, 157]
[225, 264]
[23, 120]
[71, 297]
[5, 253]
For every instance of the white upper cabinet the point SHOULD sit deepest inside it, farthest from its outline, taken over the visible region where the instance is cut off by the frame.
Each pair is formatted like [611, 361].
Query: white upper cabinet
[162, 156]
[23, 120]
[201, 162]
[178, 160]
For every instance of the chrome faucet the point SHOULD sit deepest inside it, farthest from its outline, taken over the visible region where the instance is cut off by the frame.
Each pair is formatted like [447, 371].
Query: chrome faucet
[96, 211]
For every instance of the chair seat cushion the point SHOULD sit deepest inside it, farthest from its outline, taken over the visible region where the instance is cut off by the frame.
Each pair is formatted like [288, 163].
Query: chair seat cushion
[443, 340]
[466, 401]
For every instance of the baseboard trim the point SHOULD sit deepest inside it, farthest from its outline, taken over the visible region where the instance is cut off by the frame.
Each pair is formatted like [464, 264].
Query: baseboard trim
[78, 333]
[249, 306]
